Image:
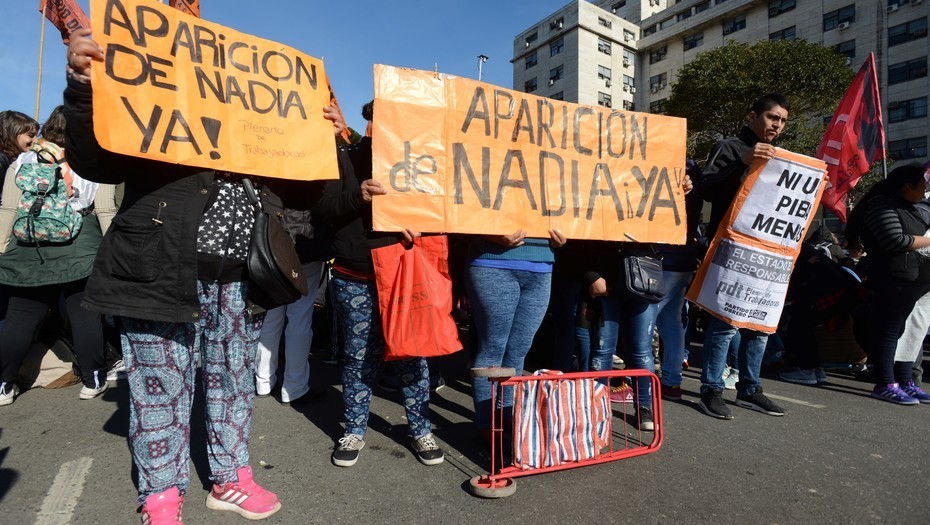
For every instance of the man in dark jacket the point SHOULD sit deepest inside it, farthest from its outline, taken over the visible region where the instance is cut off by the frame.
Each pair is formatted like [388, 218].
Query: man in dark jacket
[724, 173]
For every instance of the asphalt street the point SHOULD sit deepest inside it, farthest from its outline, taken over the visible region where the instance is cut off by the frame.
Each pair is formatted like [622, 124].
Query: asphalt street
[838, 456]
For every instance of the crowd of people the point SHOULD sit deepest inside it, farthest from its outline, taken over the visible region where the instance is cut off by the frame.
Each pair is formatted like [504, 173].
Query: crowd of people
[168, 271]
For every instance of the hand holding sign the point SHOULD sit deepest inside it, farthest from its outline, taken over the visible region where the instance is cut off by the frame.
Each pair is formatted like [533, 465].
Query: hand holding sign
[82, 51]
[760, 151]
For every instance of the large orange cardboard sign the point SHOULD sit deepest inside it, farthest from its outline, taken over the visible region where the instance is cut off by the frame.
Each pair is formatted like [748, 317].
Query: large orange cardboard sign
[175, 88]
[744, 277]
[456, 155]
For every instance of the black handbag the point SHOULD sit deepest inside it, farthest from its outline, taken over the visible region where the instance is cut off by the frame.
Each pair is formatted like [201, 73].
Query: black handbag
[275, 272]
[642, 277]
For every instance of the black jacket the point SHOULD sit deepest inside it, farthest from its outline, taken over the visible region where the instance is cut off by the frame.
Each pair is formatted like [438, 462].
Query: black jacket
[340, 205]
[147, 266]
[723, 174]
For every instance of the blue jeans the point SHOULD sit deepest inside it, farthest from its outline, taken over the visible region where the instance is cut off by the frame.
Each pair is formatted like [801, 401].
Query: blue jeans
[717, 337]
[357, 307]
[638, 321]
[569, 337]
[671, 324]
[507, 308]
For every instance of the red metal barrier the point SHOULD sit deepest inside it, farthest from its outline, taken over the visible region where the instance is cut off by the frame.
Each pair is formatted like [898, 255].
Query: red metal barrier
[627, 440]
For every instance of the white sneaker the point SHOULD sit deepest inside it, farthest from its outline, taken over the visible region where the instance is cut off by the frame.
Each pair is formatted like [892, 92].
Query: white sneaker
[8, 391]
[117, 371]
[90, 393]
[730, 378]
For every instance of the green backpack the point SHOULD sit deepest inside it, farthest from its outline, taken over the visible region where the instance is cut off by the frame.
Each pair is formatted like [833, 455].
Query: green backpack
[44, 214]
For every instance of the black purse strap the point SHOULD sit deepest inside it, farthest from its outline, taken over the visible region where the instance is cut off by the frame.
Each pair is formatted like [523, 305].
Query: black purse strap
[250, 192]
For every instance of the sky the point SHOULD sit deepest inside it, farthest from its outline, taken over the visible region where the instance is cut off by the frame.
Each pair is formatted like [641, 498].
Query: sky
[351, 36]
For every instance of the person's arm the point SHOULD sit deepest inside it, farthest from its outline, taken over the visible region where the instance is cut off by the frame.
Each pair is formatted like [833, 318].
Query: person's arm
[9, 199]
[105, 205]
[335, 201]
[722, 173]
[885, 229]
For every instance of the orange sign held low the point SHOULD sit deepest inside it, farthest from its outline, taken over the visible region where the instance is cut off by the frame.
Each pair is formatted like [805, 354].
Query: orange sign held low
[744, 277]
[456, 155]
[175, 88]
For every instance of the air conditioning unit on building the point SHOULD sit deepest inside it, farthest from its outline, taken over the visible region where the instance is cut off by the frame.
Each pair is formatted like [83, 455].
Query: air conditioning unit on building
[626, 63]
[627, 38]
[843, 26]
[626, 87]
[607, 82]
[654, 89]
[551, 81]
[892, 8]
[632, 89]
[526, 44]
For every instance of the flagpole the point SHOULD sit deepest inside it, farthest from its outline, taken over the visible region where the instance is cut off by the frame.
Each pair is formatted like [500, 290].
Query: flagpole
[41, 50]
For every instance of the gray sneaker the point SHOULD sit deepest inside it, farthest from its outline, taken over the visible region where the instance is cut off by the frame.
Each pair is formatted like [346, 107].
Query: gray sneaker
[428, 452]
[346, 452]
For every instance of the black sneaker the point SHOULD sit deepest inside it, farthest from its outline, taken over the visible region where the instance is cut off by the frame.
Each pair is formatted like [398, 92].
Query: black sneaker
[428, 452]
[346, 452]
[713, 405]
[758, 402]
[644, 419]
[313, 395]
[436, 386]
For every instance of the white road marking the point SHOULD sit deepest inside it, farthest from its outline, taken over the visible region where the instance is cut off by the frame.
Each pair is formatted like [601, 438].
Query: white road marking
[64, 493]
[780, 398]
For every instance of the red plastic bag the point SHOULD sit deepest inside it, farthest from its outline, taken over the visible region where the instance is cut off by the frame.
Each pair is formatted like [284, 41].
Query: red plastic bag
[415, 298]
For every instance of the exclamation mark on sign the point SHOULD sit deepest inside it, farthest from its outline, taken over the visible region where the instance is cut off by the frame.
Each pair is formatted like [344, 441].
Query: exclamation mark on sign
[212, 128]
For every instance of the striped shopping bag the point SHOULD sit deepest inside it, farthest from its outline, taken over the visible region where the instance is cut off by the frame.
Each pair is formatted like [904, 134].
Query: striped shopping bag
[559, 420]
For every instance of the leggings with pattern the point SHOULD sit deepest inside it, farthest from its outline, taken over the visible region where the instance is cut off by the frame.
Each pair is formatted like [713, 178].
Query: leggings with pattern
[161, 367]
[357, 308]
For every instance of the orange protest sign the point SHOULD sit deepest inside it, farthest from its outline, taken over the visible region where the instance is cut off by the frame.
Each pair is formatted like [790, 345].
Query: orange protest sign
[175, 88]
[456, 155]
[744, 277]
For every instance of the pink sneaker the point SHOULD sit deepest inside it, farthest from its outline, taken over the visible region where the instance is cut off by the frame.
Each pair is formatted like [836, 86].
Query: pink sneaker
[163, 508]
[245, 497]
[621, 394]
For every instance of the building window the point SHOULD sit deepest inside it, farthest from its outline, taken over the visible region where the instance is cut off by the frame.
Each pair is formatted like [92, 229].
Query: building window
[604, 22]
[902, 33]
[555, 74]
[603, 45]
[777, 7]
[556, 47]
[603, 73]
[557, 24]
[683, 16]
[628, 81]
[628, 57]
[530, 85]
[912, 148]
[844, 15]
[703, 6]
[904, 71]
[734, 24]
[847, 48]
[557, 96]
[628, 105]
[788, 33]
[530, 38]
[603, 99]
[531, 60]
[650, 30]
[658, 82]
[693, 41]
[907, 109]
[658, 106]
[668, 22]
[658, 55]
[616, 6]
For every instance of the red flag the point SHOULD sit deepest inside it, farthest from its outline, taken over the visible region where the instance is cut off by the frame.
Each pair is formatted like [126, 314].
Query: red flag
[854, 139]
[191, 7]
[67, 16]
